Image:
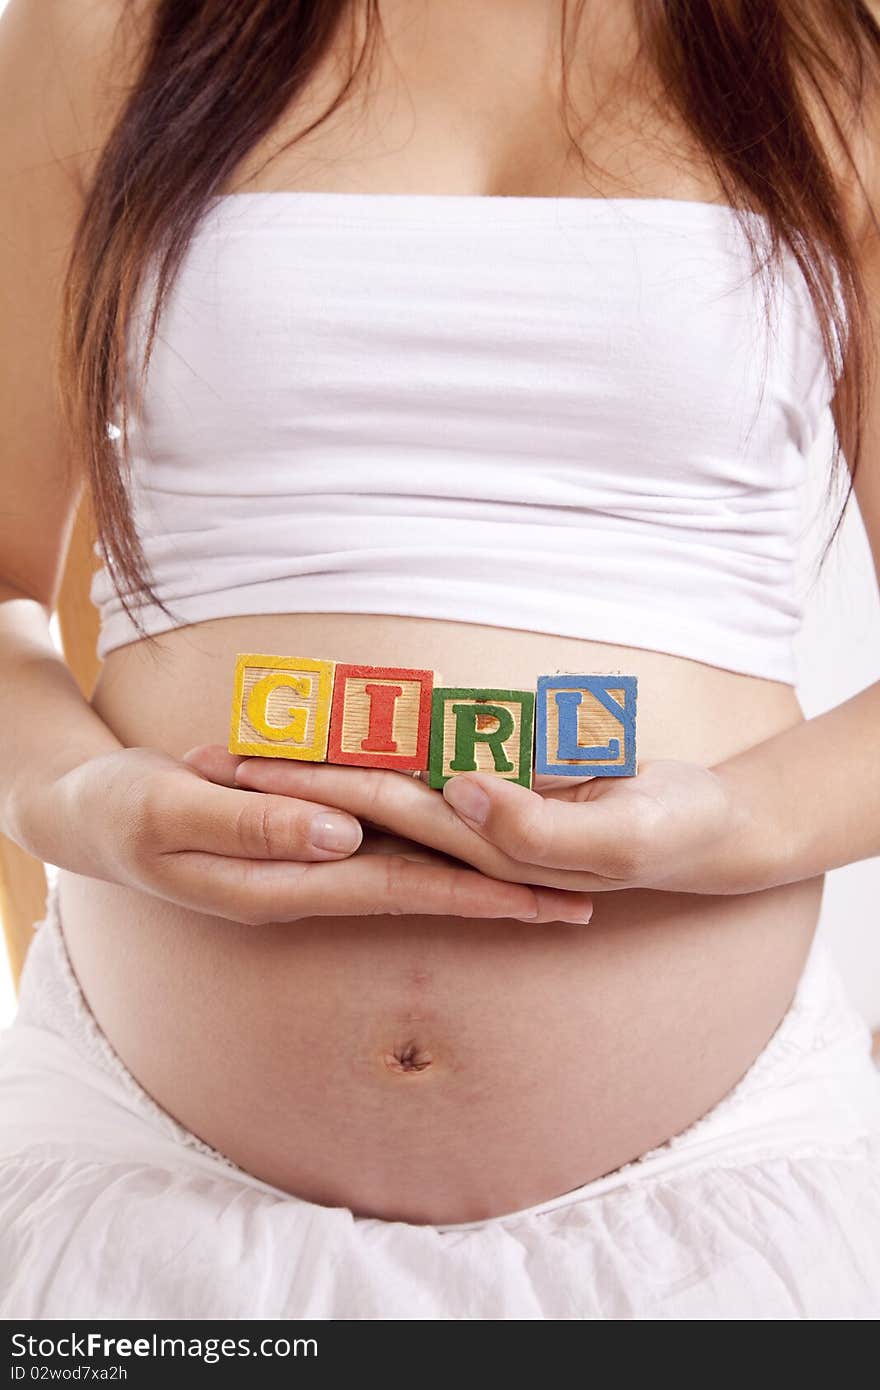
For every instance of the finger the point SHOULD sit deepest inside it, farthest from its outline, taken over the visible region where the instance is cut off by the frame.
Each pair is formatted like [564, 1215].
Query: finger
[565, 903]
[367, 784]
[380, 797]
[381, 842]
[603, 836]
[406, 807]
[556, 904]
[255, 891]
[213, 761]
[221, 820]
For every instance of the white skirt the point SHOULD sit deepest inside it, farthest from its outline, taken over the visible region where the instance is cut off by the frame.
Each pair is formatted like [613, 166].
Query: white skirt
[767, 1207]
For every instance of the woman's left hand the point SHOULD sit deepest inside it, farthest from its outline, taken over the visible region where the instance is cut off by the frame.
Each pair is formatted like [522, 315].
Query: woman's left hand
[676, 826]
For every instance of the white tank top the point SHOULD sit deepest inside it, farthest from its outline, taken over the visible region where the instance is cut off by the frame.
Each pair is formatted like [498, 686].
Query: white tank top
[528, 412]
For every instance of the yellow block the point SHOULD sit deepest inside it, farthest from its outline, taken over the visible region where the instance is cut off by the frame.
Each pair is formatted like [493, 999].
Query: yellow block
[281, 707]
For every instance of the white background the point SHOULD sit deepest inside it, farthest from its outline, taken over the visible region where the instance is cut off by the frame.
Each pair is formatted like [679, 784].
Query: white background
[839, 654]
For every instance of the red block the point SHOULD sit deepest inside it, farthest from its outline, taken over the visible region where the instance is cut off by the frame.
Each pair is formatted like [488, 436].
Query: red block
[380, 716]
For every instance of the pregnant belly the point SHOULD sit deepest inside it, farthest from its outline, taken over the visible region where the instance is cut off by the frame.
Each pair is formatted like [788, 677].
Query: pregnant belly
[432, 1069]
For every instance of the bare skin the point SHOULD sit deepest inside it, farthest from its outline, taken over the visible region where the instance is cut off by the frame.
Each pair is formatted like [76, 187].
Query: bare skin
[419, 1065]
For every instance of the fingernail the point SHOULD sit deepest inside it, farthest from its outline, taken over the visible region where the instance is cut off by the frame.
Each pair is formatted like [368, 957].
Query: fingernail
[581, 918]
[467, 798]
[528, 914]
[334, 832]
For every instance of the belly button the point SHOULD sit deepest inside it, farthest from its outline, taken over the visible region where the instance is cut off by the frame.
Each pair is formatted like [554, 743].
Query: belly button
[408, 1057]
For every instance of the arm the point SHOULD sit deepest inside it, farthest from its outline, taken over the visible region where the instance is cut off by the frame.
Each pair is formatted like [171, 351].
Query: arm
[70, 793]
[815, 788]
[812, 793]
[819, 783]
[44, 119]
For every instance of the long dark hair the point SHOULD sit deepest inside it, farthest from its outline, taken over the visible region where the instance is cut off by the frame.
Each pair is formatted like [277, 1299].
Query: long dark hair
[216, 77]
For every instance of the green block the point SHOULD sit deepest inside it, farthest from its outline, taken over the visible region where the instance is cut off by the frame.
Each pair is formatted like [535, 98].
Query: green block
[503, 749]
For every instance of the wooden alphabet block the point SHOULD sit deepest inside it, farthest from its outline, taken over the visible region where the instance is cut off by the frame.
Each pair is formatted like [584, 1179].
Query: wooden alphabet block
[281, 707]
[481, 730]
[380, 716]
[585, 726]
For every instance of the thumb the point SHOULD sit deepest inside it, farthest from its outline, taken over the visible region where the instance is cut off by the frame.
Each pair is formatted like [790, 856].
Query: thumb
[473, 794]
[212, 760]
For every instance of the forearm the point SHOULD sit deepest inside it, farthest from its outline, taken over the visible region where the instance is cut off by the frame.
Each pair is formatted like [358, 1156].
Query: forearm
[810, 796]
[46, 726]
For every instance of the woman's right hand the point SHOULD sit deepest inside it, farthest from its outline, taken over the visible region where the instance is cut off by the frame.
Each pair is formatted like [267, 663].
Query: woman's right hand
[143, 819]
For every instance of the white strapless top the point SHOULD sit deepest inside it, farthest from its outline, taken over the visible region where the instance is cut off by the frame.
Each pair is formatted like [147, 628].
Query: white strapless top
[563, 415]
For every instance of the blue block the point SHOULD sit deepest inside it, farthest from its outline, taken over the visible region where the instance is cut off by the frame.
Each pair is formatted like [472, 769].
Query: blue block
[606, 744]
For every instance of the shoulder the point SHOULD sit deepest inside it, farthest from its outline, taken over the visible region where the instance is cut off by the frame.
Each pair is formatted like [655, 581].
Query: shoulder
[843, 102]
[66, 69]
[868, 142]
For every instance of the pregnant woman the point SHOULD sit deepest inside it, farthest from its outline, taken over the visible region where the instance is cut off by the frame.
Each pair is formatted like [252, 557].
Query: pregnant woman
[488, 339]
